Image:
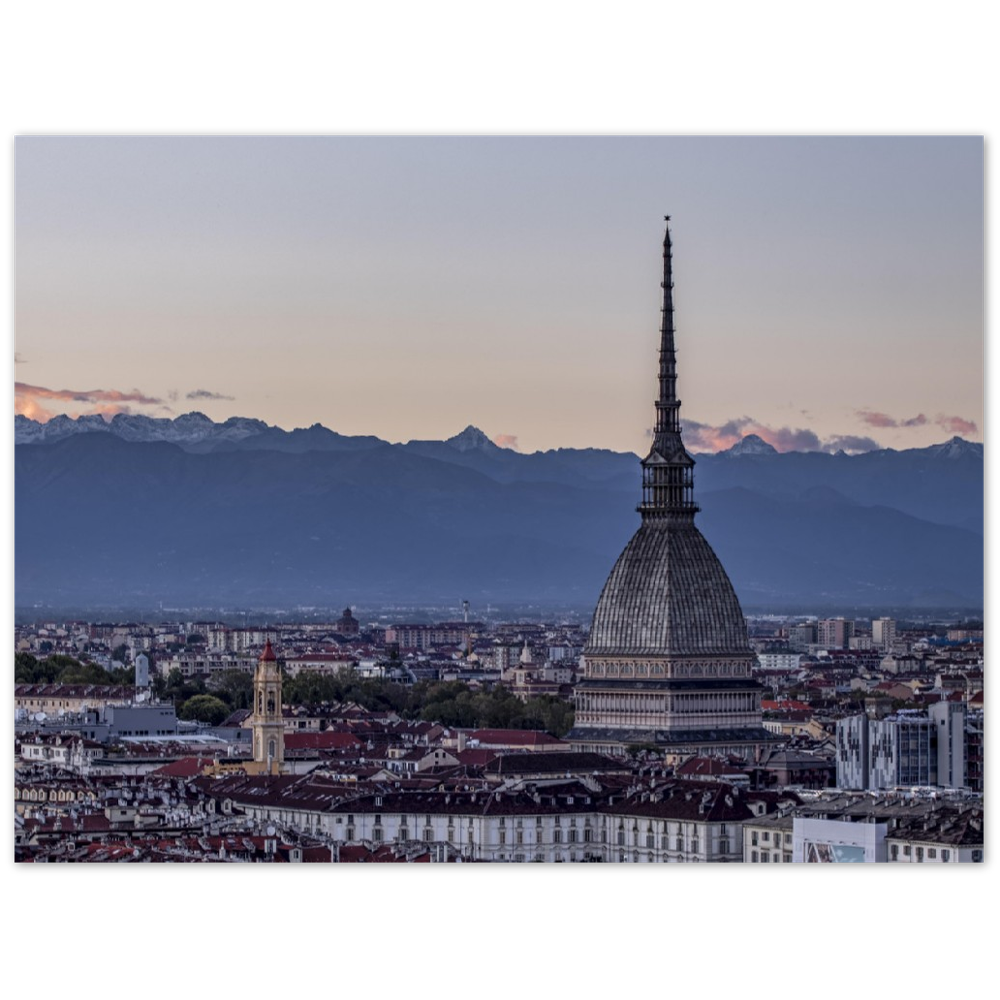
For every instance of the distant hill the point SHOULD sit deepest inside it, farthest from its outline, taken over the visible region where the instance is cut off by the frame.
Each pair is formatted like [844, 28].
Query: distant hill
[190, 511]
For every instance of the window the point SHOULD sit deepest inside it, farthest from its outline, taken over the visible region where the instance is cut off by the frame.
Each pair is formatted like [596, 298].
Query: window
[503, 836]
[753, 855]
[906, 850]
[920, 854]
[931, 852]
[787, 858]
[946, 855]
[650, 840]
[764, 857]
[588, 836]
[723, 846]
[557, 836]
[977, 855]
[894, 852]
[753, 838]
[765, 836]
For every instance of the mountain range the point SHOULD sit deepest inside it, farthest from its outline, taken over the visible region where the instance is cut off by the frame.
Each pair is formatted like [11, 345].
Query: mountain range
[190, 511]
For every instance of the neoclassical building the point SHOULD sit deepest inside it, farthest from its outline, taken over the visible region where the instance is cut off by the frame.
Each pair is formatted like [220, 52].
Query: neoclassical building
[668, 662]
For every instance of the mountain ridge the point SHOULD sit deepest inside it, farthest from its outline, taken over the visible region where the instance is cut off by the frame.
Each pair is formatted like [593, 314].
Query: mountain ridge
[98, 516]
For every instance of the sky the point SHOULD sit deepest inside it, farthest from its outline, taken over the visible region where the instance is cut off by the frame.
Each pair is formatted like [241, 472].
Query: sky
[828, 291]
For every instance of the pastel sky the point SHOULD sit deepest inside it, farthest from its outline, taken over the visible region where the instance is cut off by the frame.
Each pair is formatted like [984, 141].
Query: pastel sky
[828, 291]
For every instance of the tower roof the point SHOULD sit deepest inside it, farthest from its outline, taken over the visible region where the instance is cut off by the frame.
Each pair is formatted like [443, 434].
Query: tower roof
[668, 595]
[268, 653]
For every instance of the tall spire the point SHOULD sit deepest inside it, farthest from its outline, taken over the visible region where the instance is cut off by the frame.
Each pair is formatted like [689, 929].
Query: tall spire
[667, 471]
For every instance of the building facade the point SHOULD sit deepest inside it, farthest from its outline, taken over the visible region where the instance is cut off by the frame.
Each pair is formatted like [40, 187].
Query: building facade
[668, 661]
[909, 748]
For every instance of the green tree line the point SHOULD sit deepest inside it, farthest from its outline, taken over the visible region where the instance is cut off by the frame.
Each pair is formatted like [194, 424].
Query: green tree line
[450, 703]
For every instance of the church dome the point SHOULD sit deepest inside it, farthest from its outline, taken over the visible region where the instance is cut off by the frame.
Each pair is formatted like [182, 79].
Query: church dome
[668, 595]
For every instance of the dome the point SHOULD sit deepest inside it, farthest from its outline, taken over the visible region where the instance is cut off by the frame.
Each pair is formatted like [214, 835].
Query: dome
[668, 595]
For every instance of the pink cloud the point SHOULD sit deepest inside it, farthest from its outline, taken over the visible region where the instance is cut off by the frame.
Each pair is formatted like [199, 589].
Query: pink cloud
[876, 419]
[705, 437]
[107, 402]
[956, 425]
[506, 441]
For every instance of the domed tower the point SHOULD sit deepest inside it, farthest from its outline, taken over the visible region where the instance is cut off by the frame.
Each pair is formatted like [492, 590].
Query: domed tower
[667, 662]
[268, 723]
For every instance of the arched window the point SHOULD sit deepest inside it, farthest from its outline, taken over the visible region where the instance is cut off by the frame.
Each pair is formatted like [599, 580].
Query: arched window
[271, 748]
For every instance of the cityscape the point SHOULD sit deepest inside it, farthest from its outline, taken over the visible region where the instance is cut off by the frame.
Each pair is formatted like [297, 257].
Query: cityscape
[669, 726]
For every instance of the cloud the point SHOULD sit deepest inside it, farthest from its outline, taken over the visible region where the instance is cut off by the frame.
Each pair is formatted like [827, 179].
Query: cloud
[708, 438]
[953, 425]
[506, 441]
[876, 419]
[205, 394]
[107, 402]
[956, 425]
[705, 437]
[850, 442]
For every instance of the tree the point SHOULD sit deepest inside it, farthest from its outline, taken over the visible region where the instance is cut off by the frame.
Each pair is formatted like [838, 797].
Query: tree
[235, 687]
[203, 708]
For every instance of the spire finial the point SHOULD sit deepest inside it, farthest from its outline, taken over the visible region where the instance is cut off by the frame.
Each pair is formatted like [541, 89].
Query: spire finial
[667, 479]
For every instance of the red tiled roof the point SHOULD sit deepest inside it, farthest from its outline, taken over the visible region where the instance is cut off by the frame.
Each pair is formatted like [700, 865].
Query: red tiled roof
[186, 767]
[327, 740]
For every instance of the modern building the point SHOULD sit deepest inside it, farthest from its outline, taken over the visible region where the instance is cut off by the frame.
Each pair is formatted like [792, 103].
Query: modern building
[779, 661]
[668, 661]
[834, 633]
[802, 636]
[883, 633]
[911, 747]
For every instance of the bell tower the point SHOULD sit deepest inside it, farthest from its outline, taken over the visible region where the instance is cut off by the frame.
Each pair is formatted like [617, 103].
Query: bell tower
[268, 724]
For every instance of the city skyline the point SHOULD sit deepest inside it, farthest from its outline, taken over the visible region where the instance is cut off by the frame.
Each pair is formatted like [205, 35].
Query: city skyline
[413, 286]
